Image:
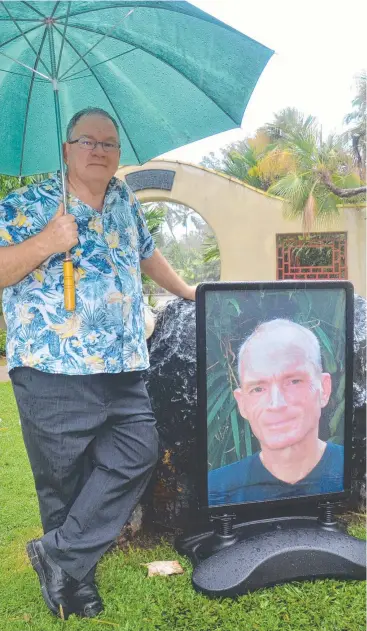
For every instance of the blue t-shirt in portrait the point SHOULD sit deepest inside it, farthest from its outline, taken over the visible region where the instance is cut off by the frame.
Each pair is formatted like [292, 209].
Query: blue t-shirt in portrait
[249, 481]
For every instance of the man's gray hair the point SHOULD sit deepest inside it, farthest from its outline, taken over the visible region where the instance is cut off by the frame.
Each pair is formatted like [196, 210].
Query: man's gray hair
[89, 111]
[307, 340]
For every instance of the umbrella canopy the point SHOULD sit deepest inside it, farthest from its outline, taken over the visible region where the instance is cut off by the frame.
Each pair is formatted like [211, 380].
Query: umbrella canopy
[168, 72]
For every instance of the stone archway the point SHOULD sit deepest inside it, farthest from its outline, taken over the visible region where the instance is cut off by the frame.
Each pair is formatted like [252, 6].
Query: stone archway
[246, 221]
[219, 200]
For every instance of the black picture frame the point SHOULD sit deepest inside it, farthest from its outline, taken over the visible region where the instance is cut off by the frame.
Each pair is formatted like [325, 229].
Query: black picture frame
[292, 505]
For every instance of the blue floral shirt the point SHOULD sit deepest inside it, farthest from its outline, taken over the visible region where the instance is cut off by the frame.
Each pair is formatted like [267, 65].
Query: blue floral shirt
[106, 332]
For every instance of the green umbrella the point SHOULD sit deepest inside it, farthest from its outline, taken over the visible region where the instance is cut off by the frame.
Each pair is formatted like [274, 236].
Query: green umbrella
[168, 72]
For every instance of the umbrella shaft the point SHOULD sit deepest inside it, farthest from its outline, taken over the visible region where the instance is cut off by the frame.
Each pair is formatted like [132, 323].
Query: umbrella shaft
[57, 114]
[69, 288]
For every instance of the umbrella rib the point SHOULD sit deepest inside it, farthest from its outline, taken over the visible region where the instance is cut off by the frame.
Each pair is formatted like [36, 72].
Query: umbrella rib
[30, 6]
[96, 44]
[63, 40]
[105, 93]
[6, 19]
[20, 74]
[81, 59]
[74, 78]
[63, 78]
[8, 41]
[24, 35]
[29, 100]
[25, 66]
[88, 29]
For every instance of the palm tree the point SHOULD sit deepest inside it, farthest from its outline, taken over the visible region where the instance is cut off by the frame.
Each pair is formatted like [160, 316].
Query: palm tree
[262, 160]
[242, 163]
[154, 216]
[287, 121]
[358, 119]
[240, 160]
[322, 173]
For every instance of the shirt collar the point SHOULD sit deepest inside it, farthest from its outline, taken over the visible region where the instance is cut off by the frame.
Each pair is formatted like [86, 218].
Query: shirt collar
[114, 185]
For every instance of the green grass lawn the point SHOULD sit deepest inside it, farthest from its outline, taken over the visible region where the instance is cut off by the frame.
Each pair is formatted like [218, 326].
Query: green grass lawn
[132, 601]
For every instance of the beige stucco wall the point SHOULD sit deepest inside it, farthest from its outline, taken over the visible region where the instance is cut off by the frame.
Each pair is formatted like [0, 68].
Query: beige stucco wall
[247, 221]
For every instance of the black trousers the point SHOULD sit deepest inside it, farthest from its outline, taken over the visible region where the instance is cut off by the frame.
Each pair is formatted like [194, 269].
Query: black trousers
[92, 444]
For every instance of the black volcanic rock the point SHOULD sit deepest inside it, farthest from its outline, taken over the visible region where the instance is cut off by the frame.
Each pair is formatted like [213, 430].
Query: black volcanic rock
[171, 383]
[359, 404]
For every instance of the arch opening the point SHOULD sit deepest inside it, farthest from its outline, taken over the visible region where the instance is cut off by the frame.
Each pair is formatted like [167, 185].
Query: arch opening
[187, 242]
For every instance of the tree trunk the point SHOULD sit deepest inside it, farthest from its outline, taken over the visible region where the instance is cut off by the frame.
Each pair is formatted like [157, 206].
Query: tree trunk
[356, 141]
[341, 192]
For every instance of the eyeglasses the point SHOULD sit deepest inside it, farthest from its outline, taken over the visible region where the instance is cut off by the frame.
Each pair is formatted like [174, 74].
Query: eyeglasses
[89, 145]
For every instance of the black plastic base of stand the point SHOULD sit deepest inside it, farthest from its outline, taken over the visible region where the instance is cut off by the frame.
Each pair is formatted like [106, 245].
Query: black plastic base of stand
[264, 553]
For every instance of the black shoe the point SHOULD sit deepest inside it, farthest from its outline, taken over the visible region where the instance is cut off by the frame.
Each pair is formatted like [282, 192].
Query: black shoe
[84, 599]
[54, 581]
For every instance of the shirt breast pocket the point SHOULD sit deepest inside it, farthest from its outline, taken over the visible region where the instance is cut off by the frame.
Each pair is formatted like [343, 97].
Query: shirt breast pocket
[127, 230]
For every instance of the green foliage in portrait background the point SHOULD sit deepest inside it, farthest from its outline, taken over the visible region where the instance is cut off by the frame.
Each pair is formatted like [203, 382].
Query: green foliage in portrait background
[230, 318]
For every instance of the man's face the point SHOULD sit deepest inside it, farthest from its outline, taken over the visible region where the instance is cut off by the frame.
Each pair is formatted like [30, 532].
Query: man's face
[281, 393]
[96, 164]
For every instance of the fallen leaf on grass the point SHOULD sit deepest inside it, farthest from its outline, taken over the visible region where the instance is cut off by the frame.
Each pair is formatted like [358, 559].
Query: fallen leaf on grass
[61, 612]
[163, 568]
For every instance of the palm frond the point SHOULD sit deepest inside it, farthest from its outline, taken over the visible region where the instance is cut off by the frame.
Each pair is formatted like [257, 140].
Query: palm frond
[295, 190]
[327, 207]
[210, 250]
[243, 166]
[155, 216]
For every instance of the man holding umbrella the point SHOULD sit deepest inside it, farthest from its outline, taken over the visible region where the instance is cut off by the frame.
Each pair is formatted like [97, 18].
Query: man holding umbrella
[77, 376]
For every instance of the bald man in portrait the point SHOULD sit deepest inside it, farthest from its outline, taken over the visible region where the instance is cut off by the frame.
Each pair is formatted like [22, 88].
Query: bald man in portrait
[282, 392]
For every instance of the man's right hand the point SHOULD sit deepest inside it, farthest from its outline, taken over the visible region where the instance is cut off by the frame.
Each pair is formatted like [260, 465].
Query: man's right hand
[61, 233]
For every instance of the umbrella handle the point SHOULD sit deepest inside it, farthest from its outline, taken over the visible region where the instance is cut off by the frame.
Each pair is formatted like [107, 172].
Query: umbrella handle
[69, 286]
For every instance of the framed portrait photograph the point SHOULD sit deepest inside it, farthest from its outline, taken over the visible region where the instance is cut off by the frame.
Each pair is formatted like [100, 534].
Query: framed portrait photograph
[274, 391]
